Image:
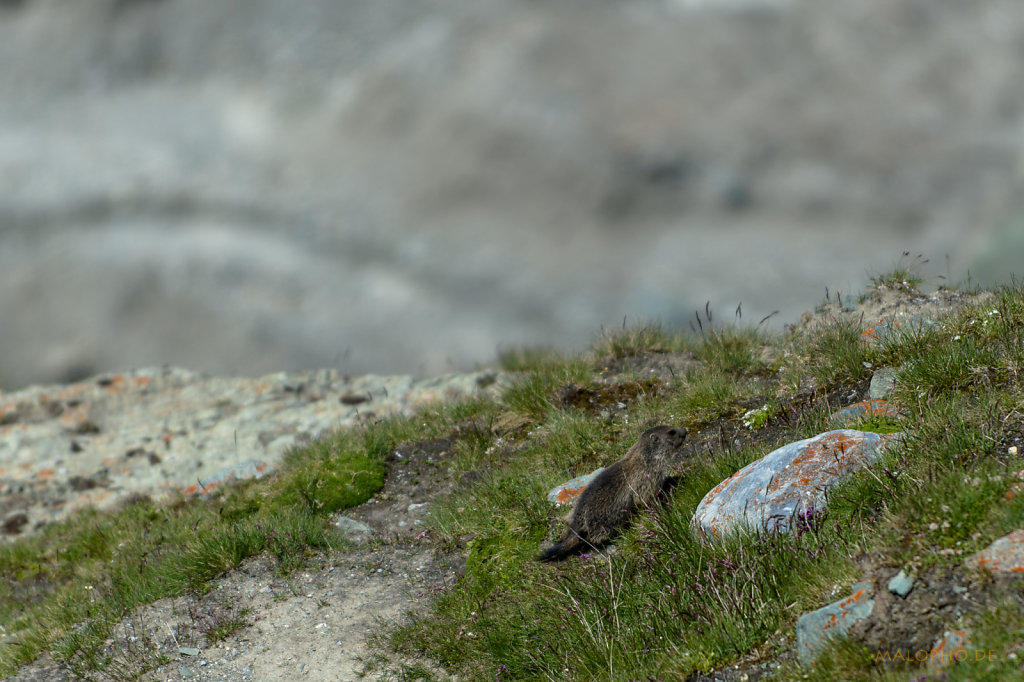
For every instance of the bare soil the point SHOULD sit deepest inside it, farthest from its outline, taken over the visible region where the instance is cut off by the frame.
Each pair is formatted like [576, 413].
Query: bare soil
[311, 625]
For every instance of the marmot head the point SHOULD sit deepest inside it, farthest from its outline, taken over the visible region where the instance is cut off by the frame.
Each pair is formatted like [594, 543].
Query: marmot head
[662, 442]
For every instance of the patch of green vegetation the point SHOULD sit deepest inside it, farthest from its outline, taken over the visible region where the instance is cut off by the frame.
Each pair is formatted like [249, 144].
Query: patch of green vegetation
[732, 350]
[707, 395]
[644, 337]
[834, 354]
[662, 603]
[528, 359]
[223, 621]
[878, 424]
[332, 484]
[534, 394]
[68, 587]
[757, 418]
[904, 275]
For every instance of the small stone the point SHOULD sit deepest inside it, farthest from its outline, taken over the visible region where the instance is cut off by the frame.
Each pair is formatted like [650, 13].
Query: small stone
[184, 672]
[883, 382]
[356, 531]
[865, 409]
[815, 629]
[894, 327]
[952, 646]
[901, 584]
[188, 651]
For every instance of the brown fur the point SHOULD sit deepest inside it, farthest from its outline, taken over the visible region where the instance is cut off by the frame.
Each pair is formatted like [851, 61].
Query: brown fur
[606, 504]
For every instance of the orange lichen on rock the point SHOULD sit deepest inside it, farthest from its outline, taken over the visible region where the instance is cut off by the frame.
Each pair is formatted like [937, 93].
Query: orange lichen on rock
[1005, 556]
[569, 495]
[787, 482]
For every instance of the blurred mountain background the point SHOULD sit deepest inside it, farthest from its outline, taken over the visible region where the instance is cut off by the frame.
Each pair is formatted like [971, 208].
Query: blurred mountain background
[244, 186]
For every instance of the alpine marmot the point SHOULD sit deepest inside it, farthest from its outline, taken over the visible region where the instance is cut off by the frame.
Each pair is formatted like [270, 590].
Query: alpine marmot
[606, 504]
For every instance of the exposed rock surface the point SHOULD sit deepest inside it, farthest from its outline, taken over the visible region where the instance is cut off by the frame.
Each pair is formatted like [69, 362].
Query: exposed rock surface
[865, 409]
[567, 493]
[793, 480]
[815, 629]
[914, 619]
[883, 381]
[1003, 558]
[168, 431]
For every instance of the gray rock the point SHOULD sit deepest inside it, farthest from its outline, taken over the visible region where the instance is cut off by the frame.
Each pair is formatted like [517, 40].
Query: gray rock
[883, 381]
[901, 584]
[865, 409]
[566, 493]
[815, 629]
[357, 531]
[895, 326]
[189, 651]
[1003, 558]
[787, 484]
[951, 647]
[168, 431]
[244, 470]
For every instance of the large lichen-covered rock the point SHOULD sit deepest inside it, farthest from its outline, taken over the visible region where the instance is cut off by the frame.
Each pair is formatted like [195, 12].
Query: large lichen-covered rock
[769, 493]
[169, 431]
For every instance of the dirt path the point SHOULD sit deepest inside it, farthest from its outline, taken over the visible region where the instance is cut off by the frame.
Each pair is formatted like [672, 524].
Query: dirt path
[311, 625]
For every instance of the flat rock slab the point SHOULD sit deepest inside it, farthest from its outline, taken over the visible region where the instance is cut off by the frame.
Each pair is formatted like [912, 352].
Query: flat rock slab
[890, 327]
[567, 493]
[167, 431]
[865, 409]
[767, 494]
[815, 629]
[952, 647]
[1004, 557]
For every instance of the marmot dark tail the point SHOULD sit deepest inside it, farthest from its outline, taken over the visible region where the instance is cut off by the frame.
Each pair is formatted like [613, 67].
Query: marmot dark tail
[565, 547]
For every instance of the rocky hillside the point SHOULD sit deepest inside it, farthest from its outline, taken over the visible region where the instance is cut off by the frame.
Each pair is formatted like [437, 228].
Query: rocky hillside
[847, 505]
[166, 431]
